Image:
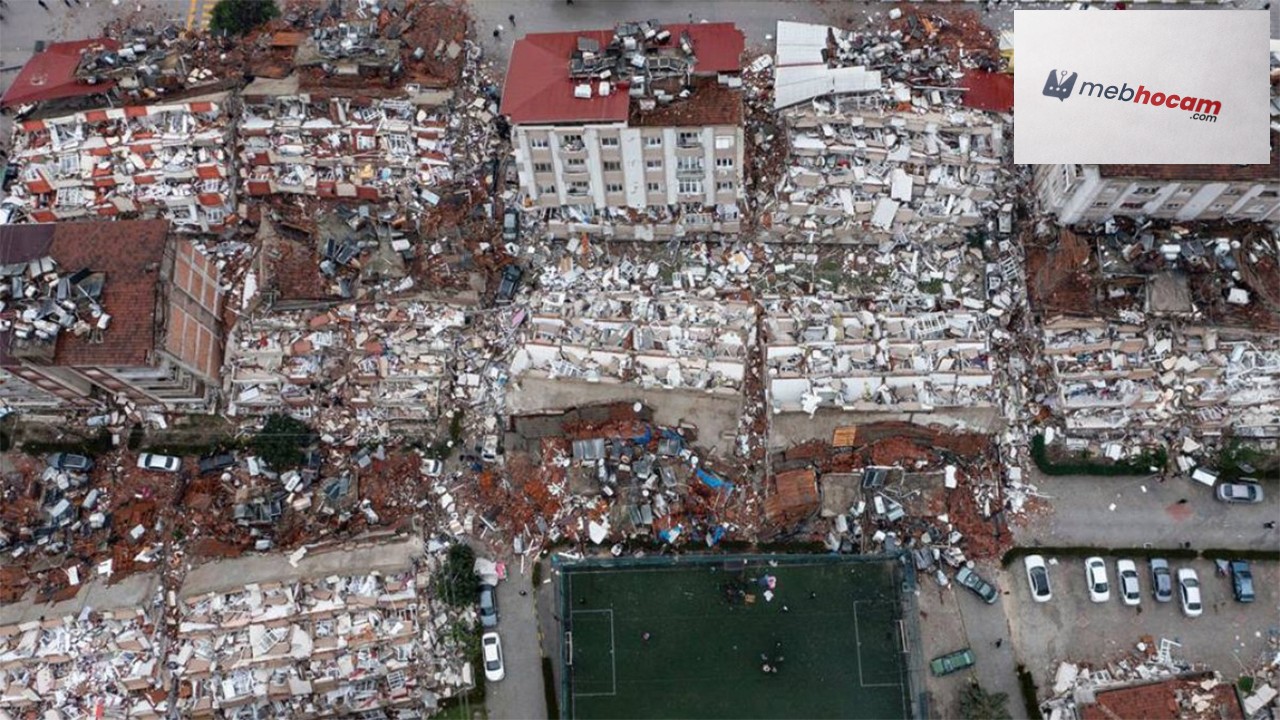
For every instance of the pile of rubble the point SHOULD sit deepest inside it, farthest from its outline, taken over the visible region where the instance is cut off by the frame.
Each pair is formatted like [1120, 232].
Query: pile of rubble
[45, 301]
[154, 160]
[96, 664]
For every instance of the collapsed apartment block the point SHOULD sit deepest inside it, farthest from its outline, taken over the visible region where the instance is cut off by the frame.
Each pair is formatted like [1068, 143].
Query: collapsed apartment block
[824, 352]
[879, 141]
[631, 339]
[165, 161]
[1159, 329]
[302, 362]
[313, 143]
[633, 133]
[52, 76]
[96, 664]
[101, 310]
[1179, 193]
[369, 644]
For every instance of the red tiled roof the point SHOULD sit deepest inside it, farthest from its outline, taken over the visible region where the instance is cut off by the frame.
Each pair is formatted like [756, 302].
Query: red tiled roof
[1201, 173]
[52, 74]
[1157, 701]
[130, 254]
[538, 88]
[987, 90]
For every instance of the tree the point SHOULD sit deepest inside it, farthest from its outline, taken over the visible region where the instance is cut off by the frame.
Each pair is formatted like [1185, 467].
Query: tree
[978, 704]
[237, 17]
[281, 441]
[456, 580]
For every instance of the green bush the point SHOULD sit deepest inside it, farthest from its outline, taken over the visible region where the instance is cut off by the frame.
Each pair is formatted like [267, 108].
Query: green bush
[978, 704]
[93, 446]
[1262, 554]
[1030, 693]
[456, 581]
[1140, 465]
[549, 688]
[237, 17]
[281, 442]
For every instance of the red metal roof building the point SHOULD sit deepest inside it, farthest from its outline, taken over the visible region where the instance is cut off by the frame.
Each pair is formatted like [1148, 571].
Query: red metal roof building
[51, 75]
[540, 90]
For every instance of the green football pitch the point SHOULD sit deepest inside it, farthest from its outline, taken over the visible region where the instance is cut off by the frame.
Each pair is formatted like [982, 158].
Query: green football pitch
[831, 631]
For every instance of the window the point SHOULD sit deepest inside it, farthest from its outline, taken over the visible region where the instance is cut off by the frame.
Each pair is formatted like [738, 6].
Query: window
[1102, 204]
[654, 187]
[652, 164]
[572, 143]
[688, 139]
[365, 142]
[1172, 206]
[689, 164]
[546, 189]
[214, 215]
[724, 142]
[653, 141]
[578, 188]
[542, 167]
[1146, 190]
[608, 142]
[724, 162]
[1184, 190]
[1218, 206]
[613, 187]
[398, 144]
[612, 166]
[724, 187]
[1231, 192]
[1133, 206]
[690, 187]
[575, 162]
[69, 164]
[538, 142]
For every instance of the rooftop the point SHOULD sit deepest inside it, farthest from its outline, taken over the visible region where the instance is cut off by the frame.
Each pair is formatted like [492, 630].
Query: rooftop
[51, 75]
[1201, 173]
[540, 89]
[1156, 701]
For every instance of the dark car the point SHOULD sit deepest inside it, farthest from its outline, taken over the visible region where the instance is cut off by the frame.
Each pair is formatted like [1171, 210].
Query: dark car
[70, 461]
[952, 662]
[488, 606]
[511, 276]
[210, 464]
[1242, 581]
[974, 582]
[511, 225]
[1161, 580]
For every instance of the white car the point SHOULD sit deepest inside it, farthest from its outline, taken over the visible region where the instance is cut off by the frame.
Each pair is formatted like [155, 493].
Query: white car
[159, 463]
[432, 467]
[1095, 576]
[492, 645]
[1127, 574]
[1189, 592]
[1038, 578]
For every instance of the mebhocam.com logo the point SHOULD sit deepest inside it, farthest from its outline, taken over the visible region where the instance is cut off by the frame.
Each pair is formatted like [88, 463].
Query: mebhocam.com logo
[1061, 83]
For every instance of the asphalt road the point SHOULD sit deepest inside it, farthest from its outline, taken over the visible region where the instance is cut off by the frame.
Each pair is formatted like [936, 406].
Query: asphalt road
[520, 695]
[1131, 512]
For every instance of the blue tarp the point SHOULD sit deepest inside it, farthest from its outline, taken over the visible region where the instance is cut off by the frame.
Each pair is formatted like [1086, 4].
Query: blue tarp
[671, 534]
[716, 534]
[714, 482]
[644, 439]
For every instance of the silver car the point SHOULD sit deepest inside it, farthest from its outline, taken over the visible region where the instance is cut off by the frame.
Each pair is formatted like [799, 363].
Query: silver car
[1239, 492]
[1161, 580]
[159, 463]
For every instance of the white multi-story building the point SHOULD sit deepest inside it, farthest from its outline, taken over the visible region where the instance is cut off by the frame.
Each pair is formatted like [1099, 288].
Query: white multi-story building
[634, 132]
[1093, 193]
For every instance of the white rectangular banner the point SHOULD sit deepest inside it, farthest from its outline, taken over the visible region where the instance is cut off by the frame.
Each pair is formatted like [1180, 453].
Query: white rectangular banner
[1142, 86]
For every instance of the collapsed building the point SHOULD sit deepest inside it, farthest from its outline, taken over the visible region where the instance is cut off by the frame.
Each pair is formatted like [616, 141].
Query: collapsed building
[138, 161]
[633, 133]
[108, 310]
[879, 138]
[1179, 193]
[1146, 330]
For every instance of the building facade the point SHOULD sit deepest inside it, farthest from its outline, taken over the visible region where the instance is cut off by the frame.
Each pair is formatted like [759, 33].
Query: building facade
[1093, 193]
[635, 132]
[131, 312]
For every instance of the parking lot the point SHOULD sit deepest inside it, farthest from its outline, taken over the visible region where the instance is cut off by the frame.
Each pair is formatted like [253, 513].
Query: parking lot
[1229, 635]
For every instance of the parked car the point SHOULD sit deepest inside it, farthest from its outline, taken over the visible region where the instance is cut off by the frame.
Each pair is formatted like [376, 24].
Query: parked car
[1095, 576]
[1161, 580]
[1240, 492]
[1242, 581]
[1127, 581]
[432, 467]
[159, 463]
[1038, 578]
[492, 646]
[1189, 592]
[511, 225]
[210, 464]
[974, 582]
[952, 662]
[488, 606]
[509, 284]
[70, 461]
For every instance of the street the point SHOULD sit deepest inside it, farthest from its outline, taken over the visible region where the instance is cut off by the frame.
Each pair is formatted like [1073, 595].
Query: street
[520, 695]
[1146, 511]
